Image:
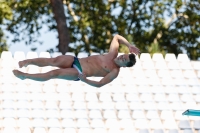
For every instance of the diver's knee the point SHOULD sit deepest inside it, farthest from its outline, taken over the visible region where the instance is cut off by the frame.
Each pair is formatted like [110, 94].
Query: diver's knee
[52, 74]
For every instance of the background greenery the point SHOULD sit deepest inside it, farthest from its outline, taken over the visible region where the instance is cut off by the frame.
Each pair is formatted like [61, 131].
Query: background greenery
[167, 26]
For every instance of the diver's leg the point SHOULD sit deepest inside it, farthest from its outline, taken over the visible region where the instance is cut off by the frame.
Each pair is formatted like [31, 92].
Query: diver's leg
[63, 61]
[68, 74]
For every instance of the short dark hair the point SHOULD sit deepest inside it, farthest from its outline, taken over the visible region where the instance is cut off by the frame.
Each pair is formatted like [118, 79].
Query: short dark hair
[132, 60]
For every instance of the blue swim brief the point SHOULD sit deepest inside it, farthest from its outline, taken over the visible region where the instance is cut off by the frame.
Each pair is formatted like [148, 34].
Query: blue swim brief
[76, 64]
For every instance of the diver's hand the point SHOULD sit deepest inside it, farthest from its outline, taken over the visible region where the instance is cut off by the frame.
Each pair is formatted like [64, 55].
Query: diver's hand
[134, 49]
[82, 77]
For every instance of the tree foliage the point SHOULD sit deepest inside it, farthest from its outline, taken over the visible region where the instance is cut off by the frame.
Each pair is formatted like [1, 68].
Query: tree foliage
[5, 13]
[91, 25]
[167, 26]
[24, 18]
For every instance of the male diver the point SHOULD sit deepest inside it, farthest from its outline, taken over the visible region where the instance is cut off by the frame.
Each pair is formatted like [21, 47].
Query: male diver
[72, 68]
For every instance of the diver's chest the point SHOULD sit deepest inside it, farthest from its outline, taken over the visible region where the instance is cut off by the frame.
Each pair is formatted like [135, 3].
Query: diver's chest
[107, 66]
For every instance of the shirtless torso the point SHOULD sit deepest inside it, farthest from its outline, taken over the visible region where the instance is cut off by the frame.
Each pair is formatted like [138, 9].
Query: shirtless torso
[98, 65]
[108, 65]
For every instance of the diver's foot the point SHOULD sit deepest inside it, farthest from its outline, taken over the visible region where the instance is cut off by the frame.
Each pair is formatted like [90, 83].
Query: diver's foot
[19, 74]
[23, 64]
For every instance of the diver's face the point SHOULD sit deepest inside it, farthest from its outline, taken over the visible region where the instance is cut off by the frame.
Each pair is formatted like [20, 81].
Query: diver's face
[123, 60]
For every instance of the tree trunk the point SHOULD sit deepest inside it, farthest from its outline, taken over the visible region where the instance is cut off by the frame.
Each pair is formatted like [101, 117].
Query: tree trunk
[63, 32]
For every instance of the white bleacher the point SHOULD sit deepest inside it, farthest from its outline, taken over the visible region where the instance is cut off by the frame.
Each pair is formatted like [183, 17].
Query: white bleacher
[19, 55]
[55, 54]
[31, 55]
[70, 53]
[94, 53]
[82, 55]
[44, 55]
[147, 98]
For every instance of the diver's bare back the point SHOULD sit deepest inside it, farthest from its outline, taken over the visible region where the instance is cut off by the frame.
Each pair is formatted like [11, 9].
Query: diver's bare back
[97, 65]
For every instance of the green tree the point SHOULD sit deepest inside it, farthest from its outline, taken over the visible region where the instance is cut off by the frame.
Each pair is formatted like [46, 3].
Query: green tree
[166, 26]
[147, 25]
[91, 25]
[5, 13]
[28, 17]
